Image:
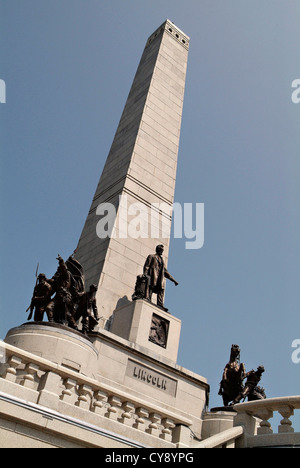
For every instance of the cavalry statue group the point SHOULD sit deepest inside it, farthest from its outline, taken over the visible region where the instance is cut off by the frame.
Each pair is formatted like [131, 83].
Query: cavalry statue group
[232, 387]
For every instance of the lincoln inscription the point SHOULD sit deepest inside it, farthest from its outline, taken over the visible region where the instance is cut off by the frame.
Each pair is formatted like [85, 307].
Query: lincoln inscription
[150, 377]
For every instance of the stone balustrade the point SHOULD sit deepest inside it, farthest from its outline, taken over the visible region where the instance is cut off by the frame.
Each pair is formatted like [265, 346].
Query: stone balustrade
[251, 425]
[255, 417]
[30, 378]
[39, 381]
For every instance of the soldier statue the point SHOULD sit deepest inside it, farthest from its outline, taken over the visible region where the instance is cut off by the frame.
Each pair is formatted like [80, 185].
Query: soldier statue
[60, 308]
[40, 299]
[251, 390]
[87, 310]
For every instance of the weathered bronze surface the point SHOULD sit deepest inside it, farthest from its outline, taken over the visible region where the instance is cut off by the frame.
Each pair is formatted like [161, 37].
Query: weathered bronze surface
[251, 390]
[63, 297]
[153, 279]
[232, 380]
[40, 299]
[159, 331]
[88, 310]
[232, 388]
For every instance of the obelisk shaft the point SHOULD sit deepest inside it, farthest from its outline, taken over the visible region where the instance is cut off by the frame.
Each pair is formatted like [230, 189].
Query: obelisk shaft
[141, 169]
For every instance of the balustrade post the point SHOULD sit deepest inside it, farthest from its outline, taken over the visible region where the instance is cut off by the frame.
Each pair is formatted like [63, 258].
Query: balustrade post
[112, 411]
[30, 372]
[285, 424]
[154, 428]
[10, 373]
[100, 404]
[167, 430]
[85, 396]
[126, 416]
[68, 394]
[265, 427]
[140, 422]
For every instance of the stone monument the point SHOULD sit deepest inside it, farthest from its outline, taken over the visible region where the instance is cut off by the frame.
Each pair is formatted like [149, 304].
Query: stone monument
[140, 168]
[102, 372]
[117, 374]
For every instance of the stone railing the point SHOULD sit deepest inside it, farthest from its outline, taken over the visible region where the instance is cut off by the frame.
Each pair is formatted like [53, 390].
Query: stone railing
[39, 381]
[225, 439]
[251, 425]
[255, 417]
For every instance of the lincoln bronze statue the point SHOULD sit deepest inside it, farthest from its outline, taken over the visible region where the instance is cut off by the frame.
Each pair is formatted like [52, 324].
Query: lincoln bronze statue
[153, 280]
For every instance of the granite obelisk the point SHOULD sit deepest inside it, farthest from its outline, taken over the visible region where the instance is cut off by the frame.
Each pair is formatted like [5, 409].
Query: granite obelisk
[140, 171]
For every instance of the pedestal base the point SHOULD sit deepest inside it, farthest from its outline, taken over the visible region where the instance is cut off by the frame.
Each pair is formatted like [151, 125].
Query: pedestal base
[226, 409]
[56, 343]
[149, 326]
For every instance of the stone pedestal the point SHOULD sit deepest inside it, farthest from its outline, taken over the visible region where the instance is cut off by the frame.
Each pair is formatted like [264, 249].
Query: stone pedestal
[216, 422]
[56, 343]
[148, 326]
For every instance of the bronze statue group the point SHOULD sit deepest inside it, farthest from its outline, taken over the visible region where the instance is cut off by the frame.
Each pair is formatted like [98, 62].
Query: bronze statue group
[232, 387]
[64, 300]
[63, 297]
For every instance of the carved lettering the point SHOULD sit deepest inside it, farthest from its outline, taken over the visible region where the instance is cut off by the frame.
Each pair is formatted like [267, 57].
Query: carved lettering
[151, 378]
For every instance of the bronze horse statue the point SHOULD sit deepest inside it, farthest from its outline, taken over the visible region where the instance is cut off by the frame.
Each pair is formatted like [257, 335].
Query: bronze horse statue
[234, 373]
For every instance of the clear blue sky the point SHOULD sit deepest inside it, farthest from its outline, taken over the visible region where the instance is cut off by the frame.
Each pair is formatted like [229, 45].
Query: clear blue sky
[68, 67]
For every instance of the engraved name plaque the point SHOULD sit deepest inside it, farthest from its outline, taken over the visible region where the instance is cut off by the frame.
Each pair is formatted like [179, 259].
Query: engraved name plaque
[151, 378]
